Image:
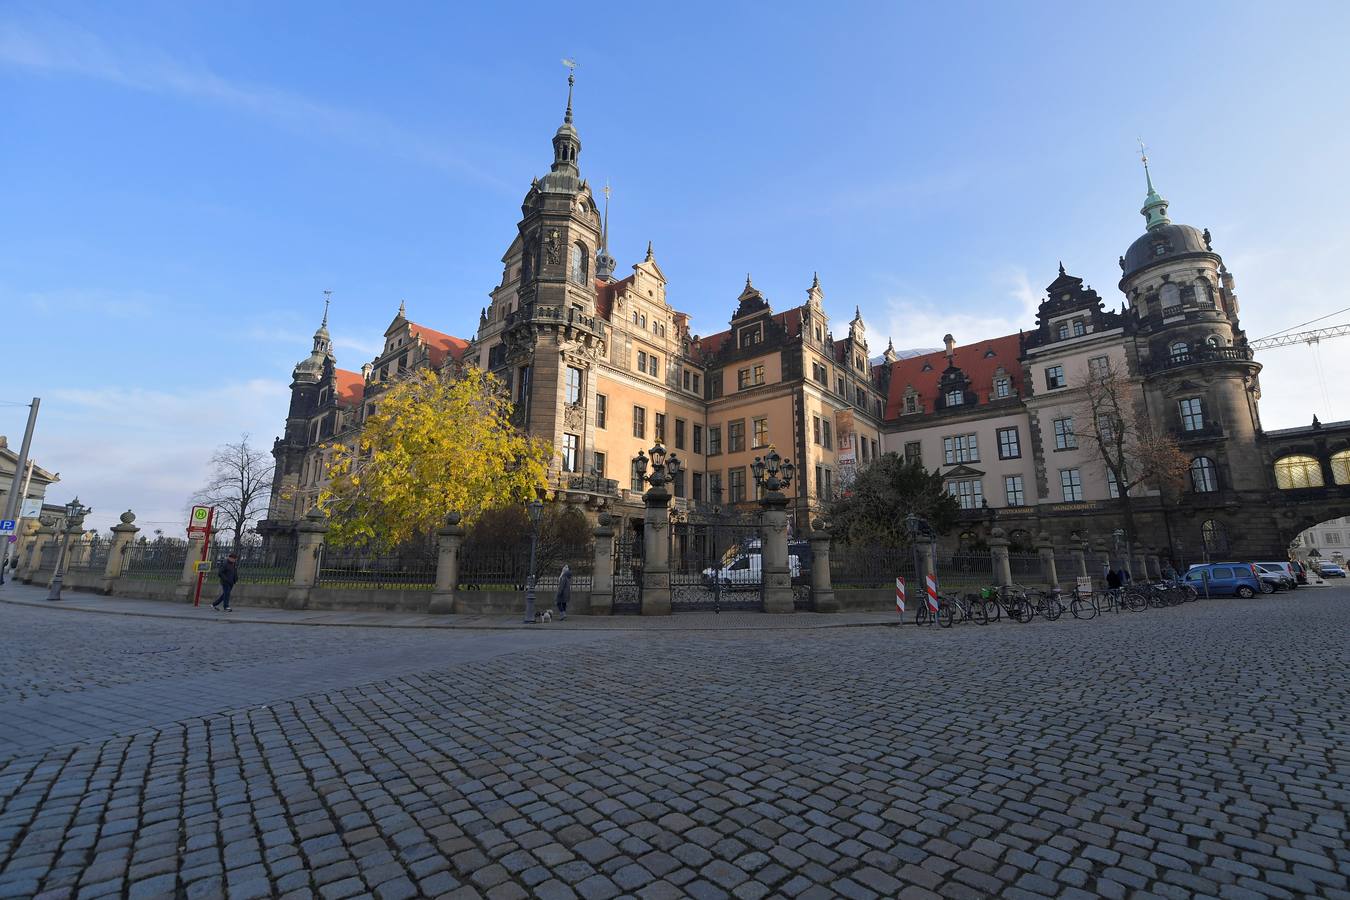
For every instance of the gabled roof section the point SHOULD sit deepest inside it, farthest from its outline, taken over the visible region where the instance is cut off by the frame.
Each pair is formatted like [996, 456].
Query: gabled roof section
[348, 387]
[790, 321]
[440, 345]
[606, 292]
[975, 362]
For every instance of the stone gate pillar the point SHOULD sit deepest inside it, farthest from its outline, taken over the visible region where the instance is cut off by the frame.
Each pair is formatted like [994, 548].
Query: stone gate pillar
[309, 543]
[34, 560]
[1139, 563]
[449, 537]
[773, 545]
[822, 587]
[1079, 554]
[656, 553]
[1103, 559]
[1046, 548]
[927, 559]
[1154, 564]
[998, 549]
[124, 534]
[602, 571]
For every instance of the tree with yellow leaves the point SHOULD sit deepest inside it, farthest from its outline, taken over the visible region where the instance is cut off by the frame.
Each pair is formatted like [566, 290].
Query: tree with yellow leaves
[436, 444]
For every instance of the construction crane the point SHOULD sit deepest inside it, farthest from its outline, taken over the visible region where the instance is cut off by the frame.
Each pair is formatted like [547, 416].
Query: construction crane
[1317, 335]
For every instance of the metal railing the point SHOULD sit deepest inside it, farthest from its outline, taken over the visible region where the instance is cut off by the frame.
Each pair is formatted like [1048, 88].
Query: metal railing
[364, 570]
[1197, 356]
[158, 561]
[964, 571]
[870, 567]
[507, 570]
[258, 565]
[89, 556]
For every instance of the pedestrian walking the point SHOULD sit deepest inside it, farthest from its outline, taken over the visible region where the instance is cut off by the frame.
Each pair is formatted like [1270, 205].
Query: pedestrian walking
[564, 590]
[228, 573]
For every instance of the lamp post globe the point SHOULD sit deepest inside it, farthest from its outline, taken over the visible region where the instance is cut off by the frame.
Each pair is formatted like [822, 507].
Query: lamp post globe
[75, 514]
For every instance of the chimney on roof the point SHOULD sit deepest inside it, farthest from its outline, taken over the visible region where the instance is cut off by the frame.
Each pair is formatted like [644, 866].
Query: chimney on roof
[950, 342]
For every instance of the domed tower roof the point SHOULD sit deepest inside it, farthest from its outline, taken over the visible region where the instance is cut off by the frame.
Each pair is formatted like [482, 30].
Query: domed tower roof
[564, 177]
[1164, 240]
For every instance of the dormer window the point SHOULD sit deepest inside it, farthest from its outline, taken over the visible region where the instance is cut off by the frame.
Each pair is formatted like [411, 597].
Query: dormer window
[1063, 330]
[911, 403]
[927, 367]
[989, 354]
[1002, 387]
[1079, 328]
[751, 335]
[955, 398]
[1180, 349]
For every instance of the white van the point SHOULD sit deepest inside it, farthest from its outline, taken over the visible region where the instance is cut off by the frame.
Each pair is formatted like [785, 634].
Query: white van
[746, 568]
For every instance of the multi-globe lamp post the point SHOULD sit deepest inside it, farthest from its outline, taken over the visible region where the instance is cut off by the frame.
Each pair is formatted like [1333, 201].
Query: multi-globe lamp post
[75, 514]
[772, 472]
[665, 468]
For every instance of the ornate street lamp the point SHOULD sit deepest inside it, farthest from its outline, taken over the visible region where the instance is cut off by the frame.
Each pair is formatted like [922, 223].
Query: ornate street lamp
[666, 467]
[75, 514]
[536, 510]
[772, 472]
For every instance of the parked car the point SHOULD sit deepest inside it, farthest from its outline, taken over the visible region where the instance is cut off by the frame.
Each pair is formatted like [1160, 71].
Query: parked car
[1330, 570]
[1300, 572]
[1282, 574]
[1225, 579]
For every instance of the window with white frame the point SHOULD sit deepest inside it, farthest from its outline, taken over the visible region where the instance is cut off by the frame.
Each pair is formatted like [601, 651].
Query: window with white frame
[1071, 485]
[1054, 377]
[569, 460]
[1065, 439]
[573, 385]
[1012, 488]
[1204, 475]
[969, 492]
[1192, 414]
[960, 448]
[1002, 387]
[956, 398]
[1009, 443]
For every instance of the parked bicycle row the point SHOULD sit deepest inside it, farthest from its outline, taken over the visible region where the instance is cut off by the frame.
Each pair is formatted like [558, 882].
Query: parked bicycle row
[1022, 604]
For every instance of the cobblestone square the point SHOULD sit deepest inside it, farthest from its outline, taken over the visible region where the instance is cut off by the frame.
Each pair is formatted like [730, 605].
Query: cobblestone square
[1193, 751]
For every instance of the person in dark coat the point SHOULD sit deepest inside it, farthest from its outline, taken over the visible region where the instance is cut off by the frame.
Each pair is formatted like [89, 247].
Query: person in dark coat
[228, 573]
[1113, 579]
[564, 590]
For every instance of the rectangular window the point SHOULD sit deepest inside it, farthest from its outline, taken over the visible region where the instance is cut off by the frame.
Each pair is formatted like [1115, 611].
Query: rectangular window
[820, 481]
[1012, 487]
[1002, 388]
[684, 378]
[759, 374]
[698, 438]
[697, 378]
[654, 364]
[1054, 377]
[969, 492]
[736, 436]
[600, 465]
[573, 385]
[569, 453]
[751, 335]
[523, 384]
[715, 487]
[637, 479]
[1098, 366]
[1065, 439]
[759, 432]
[714, 385]
[1070, 485]
[960, 448]
[913, 451]
[679, 434]
[819, 374]
[911, 403]
[736, 481]
[742, 379]
[698, 486]
[1192, 414]
[1079, 328]
[660, 428]
[642, 361]
[1009, 444]
[639, 422]
[839, 385]
[1112, 485]
[829, 485]
[1063, 330]
[714, 440]
[825, 432]
[678, 484]
[601, 410]
[815, 429]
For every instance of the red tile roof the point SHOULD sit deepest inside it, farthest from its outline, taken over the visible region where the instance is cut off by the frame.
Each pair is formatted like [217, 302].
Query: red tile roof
[439, 344]
[972, 359]
[712, 344]
[605, 292]
[349, 387]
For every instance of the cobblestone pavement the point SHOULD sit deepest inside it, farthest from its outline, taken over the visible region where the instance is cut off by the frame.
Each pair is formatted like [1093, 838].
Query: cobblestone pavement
[1200, 750]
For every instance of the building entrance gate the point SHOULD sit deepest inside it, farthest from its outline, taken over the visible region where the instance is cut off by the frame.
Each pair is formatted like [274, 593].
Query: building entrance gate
[628, 569]
[716, 564]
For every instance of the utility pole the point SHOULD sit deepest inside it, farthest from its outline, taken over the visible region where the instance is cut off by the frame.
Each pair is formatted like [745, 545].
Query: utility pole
[18, 487]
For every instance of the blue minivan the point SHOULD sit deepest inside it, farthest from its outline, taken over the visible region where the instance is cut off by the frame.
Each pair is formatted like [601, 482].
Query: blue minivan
[1225, 579]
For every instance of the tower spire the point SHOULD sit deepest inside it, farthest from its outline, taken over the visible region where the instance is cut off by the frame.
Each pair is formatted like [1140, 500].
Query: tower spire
[327, 298]
[571, 80]
[1155, 207]
[604, 226]
[604, 263]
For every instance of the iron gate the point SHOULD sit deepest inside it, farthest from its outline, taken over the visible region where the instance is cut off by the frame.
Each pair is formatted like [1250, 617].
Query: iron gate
[628, 569]
[716, 565]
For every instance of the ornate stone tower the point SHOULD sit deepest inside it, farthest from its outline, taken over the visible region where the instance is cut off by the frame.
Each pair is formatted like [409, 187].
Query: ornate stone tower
[289, 450]
[1200, 380]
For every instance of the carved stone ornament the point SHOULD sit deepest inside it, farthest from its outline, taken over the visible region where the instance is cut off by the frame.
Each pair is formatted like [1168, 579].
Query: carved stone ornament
[552, 246]
[574, 416]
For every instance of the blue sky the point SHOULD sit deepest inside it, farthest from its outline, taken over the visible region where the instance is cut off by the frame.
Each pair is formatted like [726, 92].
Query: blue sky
[183, 180]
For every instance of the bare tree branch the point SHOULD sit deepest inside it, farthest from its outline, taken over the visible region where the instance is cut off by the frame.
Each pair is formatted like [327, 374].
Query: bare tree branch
[239, 487]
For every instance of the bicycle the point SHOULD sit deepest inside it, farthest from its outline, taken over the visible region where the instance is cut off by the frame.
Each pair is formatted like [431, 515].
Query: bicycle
[1084, 606]
[971, 608]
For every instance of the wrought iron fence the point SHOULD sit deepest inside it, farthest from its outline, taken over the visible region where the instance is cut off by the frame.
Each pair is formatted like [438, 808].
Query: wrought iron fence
[258, 564]
[1066, 568]
[965, 571]
[507, 570]
[1025, 567]
[157, 561]
[413, 570]
[870, 567]
[90, 555]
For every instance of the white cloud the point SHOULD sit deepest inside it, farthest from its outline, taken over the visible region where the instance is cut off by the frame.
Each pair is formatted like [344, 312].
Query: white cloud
[121, 447]
[916, 319]
[71, 51]
[368, 347]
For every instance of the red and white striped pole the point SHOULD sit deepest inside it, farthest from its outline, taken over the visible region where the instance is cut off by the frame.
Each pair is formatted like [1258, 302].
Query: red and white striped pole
[931, 582]
[900, 595]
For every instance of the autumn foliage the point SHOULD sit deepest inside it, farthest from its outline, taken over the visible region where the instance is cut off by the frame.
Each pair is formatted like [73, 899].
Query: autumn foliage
[436, 444]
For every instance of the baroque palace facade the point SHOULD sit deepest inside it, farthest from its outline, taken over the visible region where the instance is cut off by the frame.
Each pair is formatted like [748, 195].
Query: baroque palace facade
[604, 367]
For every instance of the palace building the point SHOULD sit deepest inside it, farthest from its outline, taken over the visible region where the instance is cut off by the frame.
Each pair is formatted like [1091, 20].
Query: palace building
[603, 367]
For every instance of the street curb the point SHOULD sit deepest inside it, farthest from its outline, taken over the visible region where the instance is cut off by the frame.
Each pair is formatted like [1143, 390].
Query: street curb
[235, 619]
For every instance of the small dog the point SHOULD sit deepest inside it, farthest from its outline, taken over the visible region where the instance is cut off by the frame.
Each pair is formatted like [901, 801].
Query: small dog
[545, 616]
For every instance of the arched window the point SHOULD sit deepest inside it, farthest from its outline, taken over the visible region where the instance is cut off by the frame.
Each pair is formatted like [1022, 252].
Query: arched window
[1214, 342]
[1215, 537]
[1179, 348]
[1203, 295]
[580, 263]
[1170, 295]
[1204, 476]
[1340, 467]
[1297, 471]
